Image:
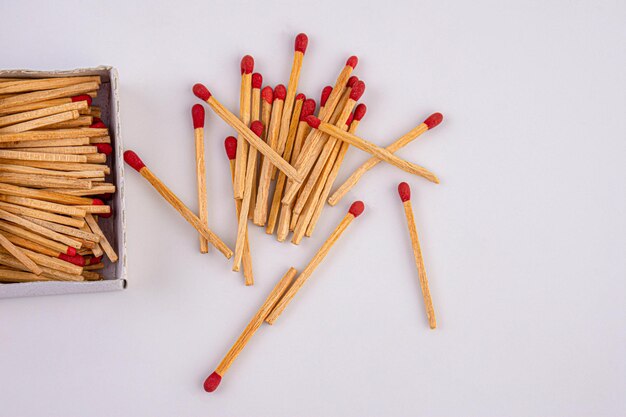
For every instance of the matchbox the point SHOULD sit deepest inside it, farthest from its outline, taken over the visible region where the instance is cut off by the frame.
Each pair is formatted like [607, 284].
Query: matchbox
[114, 228]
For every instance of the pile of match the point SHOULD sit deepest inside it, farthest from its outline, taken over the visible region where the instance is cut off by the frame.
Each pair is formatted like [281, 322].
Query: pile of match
[53, 166]
[288, 151]
[284, 160]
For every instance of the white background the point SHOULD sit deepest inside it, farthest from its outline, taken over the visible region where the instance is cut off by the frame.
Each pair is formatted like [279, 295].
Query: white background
[523, 240]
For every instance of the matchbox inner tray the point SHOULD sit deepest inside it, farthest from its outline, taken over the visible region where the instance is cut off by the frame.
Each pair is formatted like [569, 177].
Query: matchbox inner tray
[114, 227]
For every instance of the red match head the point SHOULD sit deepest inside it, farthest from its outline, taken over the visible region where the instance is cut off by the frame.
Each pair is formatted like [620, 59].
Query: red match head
[95, 260]
[325, 94]
[97, 202]
[98, 125]
[405, 191]
[357, 208]
[76, 259]
[257, 80]
[301, 43]
[133, 160]
[352, 80]
[104, 148]
[257, 128]
[357, 90]
[83, 97]
[308, 108]
[212, 382]
[433, 120]
[313, 121]
[197, 114]
[230, 144]
[280, 92]
[71, 251]
[360, 111]
[201, 92]
[352, 61]
[300, 97]
[267, 94]
[350, 118]
[97, 120]
[247, 64]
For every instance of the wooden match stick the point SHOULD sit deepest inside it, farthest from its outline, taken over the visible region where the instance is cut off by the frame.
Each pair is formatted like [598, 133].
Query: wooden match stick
[43, 205]
[58, 166]
[43, 215]
[49, 273]
[308, 108]
[197, 115]
[230, 144]
[44, 181]
[300, 46]
[36, 96]
[356, 91]
[280, 182]
[372, 149]
[294, 217]
[13, 190]
[46, 143]
[28, 85]
[213, 381]
[355, 210]
[40, 122]
[430, 123]
[46, 104]
[79, 132]
[202, 93]
[309, 153]
[356, 117]
[265, 175]
[133, 160]
[77, 260]
[35, 237]
[36, 114]
[405, 195]
[247, 66]
[19, 255]
[255, 114]
[104, 243]
[242, 219]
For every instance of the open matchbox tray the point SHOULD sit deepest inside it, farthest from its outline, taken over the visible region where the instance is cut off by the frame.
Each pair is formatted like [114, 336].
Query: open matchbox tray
[114, 228]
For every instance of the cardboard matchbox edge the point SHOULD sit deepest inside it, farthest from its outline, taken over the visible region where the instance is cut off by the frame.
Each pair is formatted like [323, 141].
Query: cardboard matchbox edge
[115, 227]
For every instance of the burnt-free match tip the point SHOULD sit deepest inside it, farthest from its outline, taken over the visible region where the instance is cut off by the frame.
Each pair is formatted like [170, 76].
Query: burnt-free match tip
[71, 251]
[350, 119]
[360, 111]
[433, 120]
[257, 128]
[357, 90]
[98, 125]
[313, 121]
[257, 80]
[357, 208]
[83, 97]
[212, 382]
[405, 191]
[201, 92]
[300, 97]
[280, 92]
[77, 260]
[230, 144]
[352, 61]
[133, 160]
[325, 94]
[104, 148]
[302, 41]
[267, 94]
[352, 80]
[247, 64]
[308, 108]
[197, 115]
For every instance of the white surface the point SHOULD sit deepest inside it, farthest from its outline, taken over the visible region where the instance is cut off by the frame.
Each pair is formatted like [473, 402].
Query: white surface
[523, 239]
